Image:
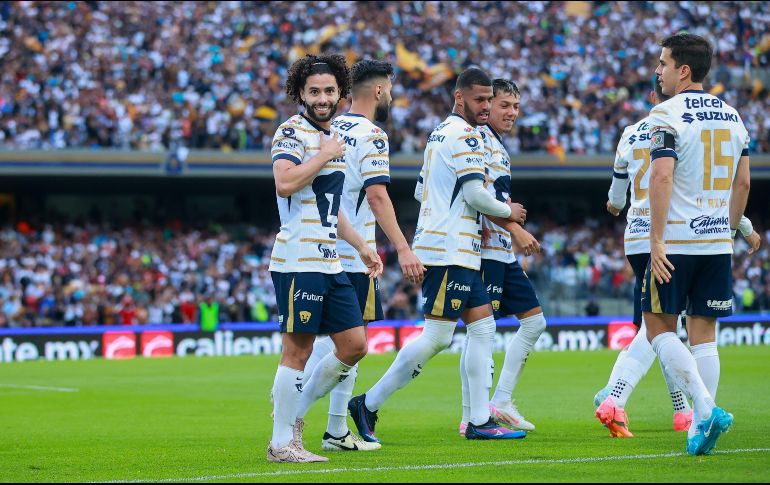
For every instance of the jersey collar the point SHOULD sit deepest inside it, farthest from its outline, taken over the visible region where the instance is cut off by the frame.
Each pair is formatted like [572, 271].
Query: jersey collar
[694, 91]
[494, 133]
[358, 115]
[315, 125]
[464, 120]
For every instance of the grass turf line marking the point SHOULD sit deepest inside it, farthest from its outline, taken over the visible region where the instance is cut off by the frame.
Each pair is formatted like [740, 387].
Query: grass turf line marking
[41, 388]
[533, 461]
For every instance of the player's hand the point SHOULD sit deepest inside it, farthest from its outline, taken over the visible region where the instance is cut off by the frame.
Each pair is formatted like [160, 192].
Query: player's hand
[524, 241]
[612, 209]
[754, 240]
[659, 264]
[332, 147]
[518, 212]
[486, 235]
[372, 261]
[411, 266]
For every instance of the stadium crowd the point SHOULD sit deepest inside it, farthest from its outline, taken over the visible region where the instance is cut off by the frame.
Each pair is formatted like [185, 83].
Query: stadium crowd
[210, 75]
[89, 274]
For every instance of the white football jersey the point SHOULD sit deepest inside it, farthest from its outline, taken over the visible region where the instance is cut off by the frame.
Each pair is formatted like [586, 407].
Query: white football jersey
[632, 165]
[367, 163]
[448, 229]
[707, 138]
[308, 238]
[499, 247]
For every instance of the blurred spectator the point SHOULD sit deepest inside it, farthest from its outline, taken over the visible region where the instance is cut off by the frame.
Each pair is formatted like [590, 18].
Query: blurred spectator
[210, 75]
[90, 274]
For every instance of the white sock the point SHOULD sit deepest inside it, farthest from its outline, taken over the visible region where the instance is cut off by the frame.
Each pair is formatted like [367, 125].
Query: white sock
[466, 392]
[679, 365]
[678, 399]
[287, 389]
[481, 337]
[707, 357]
[639, 359]
[436, 336]
[516, 355]
[338, 405]
[616, 368]
[322, 347]
[327, 374]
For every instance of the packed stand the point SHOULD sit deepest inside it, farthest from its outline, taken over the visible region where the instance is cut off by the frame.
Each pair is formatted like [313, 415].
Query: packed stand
[91, 274]
[210, 75]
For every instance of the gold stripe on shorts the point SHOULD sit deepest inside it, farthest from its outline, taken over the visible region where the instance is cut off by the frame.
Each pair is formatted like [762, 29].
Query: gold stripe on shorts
[438, 303]
[369, 313]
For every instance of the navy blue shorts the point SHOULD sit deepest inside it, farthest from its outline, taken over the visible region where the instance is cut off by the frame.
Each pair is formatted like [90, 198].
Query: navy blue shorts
[700, 284]
[639, 265]
[369, 300]
[509, 288]
[316, 303]
[448, 290]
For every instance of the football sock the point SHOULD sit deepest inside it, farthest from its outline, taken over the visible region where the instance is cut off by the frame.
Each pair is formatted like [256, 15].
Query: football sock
[516, 355]
[287, 389]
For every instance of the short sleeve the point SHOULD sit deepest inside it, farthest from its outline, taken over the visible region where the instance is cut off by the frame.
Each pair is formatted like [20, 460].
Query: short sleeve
[620, 167]
[468, 157]
[664, 139]
[287, 145]
[375, 160]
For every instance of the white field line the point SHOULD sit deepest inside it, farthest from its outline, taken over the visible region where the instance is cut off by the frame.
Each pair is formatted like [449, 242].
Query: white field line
[439, 466]
[41, 388]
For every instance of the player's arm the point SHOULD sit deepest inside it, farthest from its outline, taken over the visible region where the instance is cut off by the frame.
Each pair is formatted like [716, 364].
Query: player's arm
[291, 174]
[418, 188]
[617, 195]
[740, 193]
[383, 210]
[663, 156]
[369, 256]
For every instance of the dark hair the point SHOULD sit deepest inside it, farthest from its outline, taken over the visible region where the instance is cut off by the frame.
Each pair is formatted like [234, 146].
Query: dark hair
[309, 65]
[367, 69]
[659, 96]
[692, 50]
[473, 76]
[505, 86]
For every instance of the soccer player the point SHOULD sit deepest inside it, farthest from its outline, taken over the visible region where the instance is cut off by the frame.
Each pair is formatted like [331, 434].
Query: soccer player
[632, 163]
[509, 288]
[699, 186]
[314, 295]
[448, 242]
[364, 199]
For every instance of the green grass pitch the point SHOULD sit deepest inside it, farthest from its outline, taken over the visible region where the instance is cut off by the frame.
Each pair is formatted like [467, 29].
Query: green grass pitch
[181, 419]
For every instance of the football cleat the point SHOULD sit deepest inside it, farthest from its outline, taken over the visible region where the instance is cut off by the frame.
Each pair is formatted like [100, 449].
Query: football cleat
[682, 421]
[492, 431]
[292, 454]
[364, 419]
[349, 442]
[602, 395]
[708, 430]
[614, 418]
[510, 416]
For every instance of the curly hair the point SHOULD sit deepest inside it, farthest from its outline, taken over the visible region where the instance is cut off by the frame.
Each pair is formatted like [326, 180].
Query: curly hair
[333, 64]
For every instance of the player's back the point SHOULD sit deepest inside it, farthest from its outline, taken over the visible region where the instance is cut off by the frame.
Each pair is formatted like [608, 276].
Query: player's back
[707, 138]
[307, 241]
[632, 161]
[366, 158]
[448, 229]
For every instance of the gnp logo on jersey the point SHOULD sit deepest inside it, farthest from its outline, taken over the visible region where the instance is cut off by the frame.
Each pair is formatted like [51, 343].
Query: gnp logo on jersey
[157, 344]
[456, 303]
[119, 345]
[288, 132]
[379, 144]
[472, 142]
[620, 334]
[305, 316]
[720, 304]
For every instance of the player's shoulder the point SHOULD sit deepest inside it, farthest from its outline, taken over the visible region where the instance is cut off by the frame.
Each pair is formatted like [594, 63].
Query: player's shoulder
[353, 124]
[295, 127]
